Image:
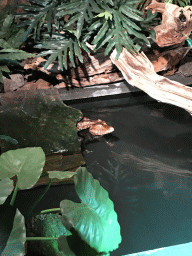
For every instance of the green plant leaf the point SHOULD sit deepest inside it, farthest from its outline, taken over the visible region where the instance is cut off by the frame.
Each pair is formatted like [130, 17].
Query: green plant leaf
[94, 218]
[6, 187]
[5, 137]
[64, 247]
[26, 163]
[4, 43]
[60, 175]
[1, 77]
[101, 32]
[38, 10]
[14, 54]
[7, 215]
[17, 238]
[105, 14]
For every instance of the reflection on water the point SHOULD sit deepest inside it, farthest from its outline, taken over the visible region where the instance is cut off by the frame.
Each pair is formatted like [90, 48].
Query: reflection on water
[146, 166]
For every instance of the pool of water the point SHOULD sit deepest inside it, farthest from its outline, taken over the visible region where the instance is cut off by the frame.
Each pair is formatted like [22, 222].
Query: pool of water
[146, 166]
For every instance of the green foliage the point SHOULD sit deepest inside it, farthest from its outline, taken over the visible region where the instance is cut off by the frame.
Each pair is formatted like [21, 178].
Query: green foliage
[17, 238]
[60, 46]
[6, 187]
[90, 225]
[94, 218]
[10, 40]
[181, 3]
[25, 162]
[64, 27]
[9, 139]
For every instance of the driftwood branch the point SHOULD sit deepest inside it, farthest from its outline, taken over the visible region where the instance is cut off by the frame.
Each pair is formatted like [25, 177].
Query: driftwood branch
[176, 23]
[139, 71]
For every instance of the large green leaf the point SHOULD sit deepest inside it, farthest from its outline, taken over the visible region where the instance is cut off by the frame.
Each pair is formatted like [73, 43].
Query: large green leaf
[26, 163]
[7, 215]
[64, 247]
[17, 238]
[94, 218]
[6, 187]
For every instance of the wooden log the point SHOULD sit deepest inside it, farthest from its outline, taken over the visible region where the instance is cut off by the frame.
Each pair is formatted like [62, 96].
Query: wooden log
[139, 71]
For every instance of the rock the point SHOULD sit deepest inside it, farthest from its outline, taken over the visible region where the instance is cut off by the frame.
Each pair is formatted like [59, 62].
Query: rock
[186, 68]
[16, 81]
[39, 118]
[45, 225]
[168, 59]
[39, 84]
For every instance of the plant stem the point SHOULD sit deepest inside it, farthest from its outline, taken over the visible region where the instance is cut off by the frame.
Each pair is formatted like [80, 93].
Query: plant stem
[14, 195]
[51, 210]
[41, 196]
[41, 238]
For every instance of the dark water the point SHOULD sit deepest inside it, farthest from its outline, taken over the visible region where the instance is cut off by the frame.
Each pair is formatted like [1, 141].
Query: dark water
[146, 166]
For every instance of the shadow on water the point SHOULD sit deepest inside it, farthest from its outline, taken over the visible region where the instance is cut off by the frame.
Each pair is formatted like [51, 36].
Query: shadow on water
[146, 166]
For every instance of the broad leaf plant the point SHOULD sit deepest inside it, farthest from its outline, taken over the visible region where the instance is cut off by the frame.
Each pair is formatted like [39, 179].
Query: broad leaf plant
[62, 28]
[87, 227]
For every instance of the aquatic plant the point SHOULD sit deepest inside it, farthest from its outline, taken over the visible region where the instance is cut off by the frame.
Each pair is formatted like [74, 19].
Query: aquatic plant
[91, 224]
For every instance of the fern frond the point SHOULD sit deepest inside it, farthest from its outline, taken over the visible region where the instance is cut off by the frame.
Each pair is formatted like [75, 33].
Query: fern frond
[9, 33]
[80, 12]
[120, 30]
[61, 45]
[14, 54]
[40, 11]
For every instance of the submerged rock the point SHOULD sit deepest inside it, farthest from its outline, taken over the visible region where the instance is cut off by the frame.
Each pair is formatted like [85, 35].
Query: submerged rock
[39, 119]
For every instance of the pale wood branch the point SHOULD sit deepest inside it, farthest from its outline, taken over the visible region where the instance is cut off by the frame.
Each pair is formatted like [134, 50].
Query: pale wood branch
[139, 71]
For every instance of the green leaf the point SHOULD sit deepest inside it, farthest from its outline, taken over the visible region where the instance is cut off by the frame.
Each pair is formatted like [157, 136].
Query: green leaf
[7, 215]
[60, 175]
[109, 46]
[7, 22]
[14, 54]
[4, 69]
[95, 6]
[72, 20]
[4, 44]
[26, 163]
[6, 187]
[65, 58]
[78, 51]
[95, 25]
[8, 138]
[101, 32]
[94, 218]
[17, 238]
[82, 17]
[64, 247]
[130, 14]
[71, 55]
[102, 42]
[51, 59]
[1, 77]
[105, 14]
[60, 60]
[118, 45]
[38, 11]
